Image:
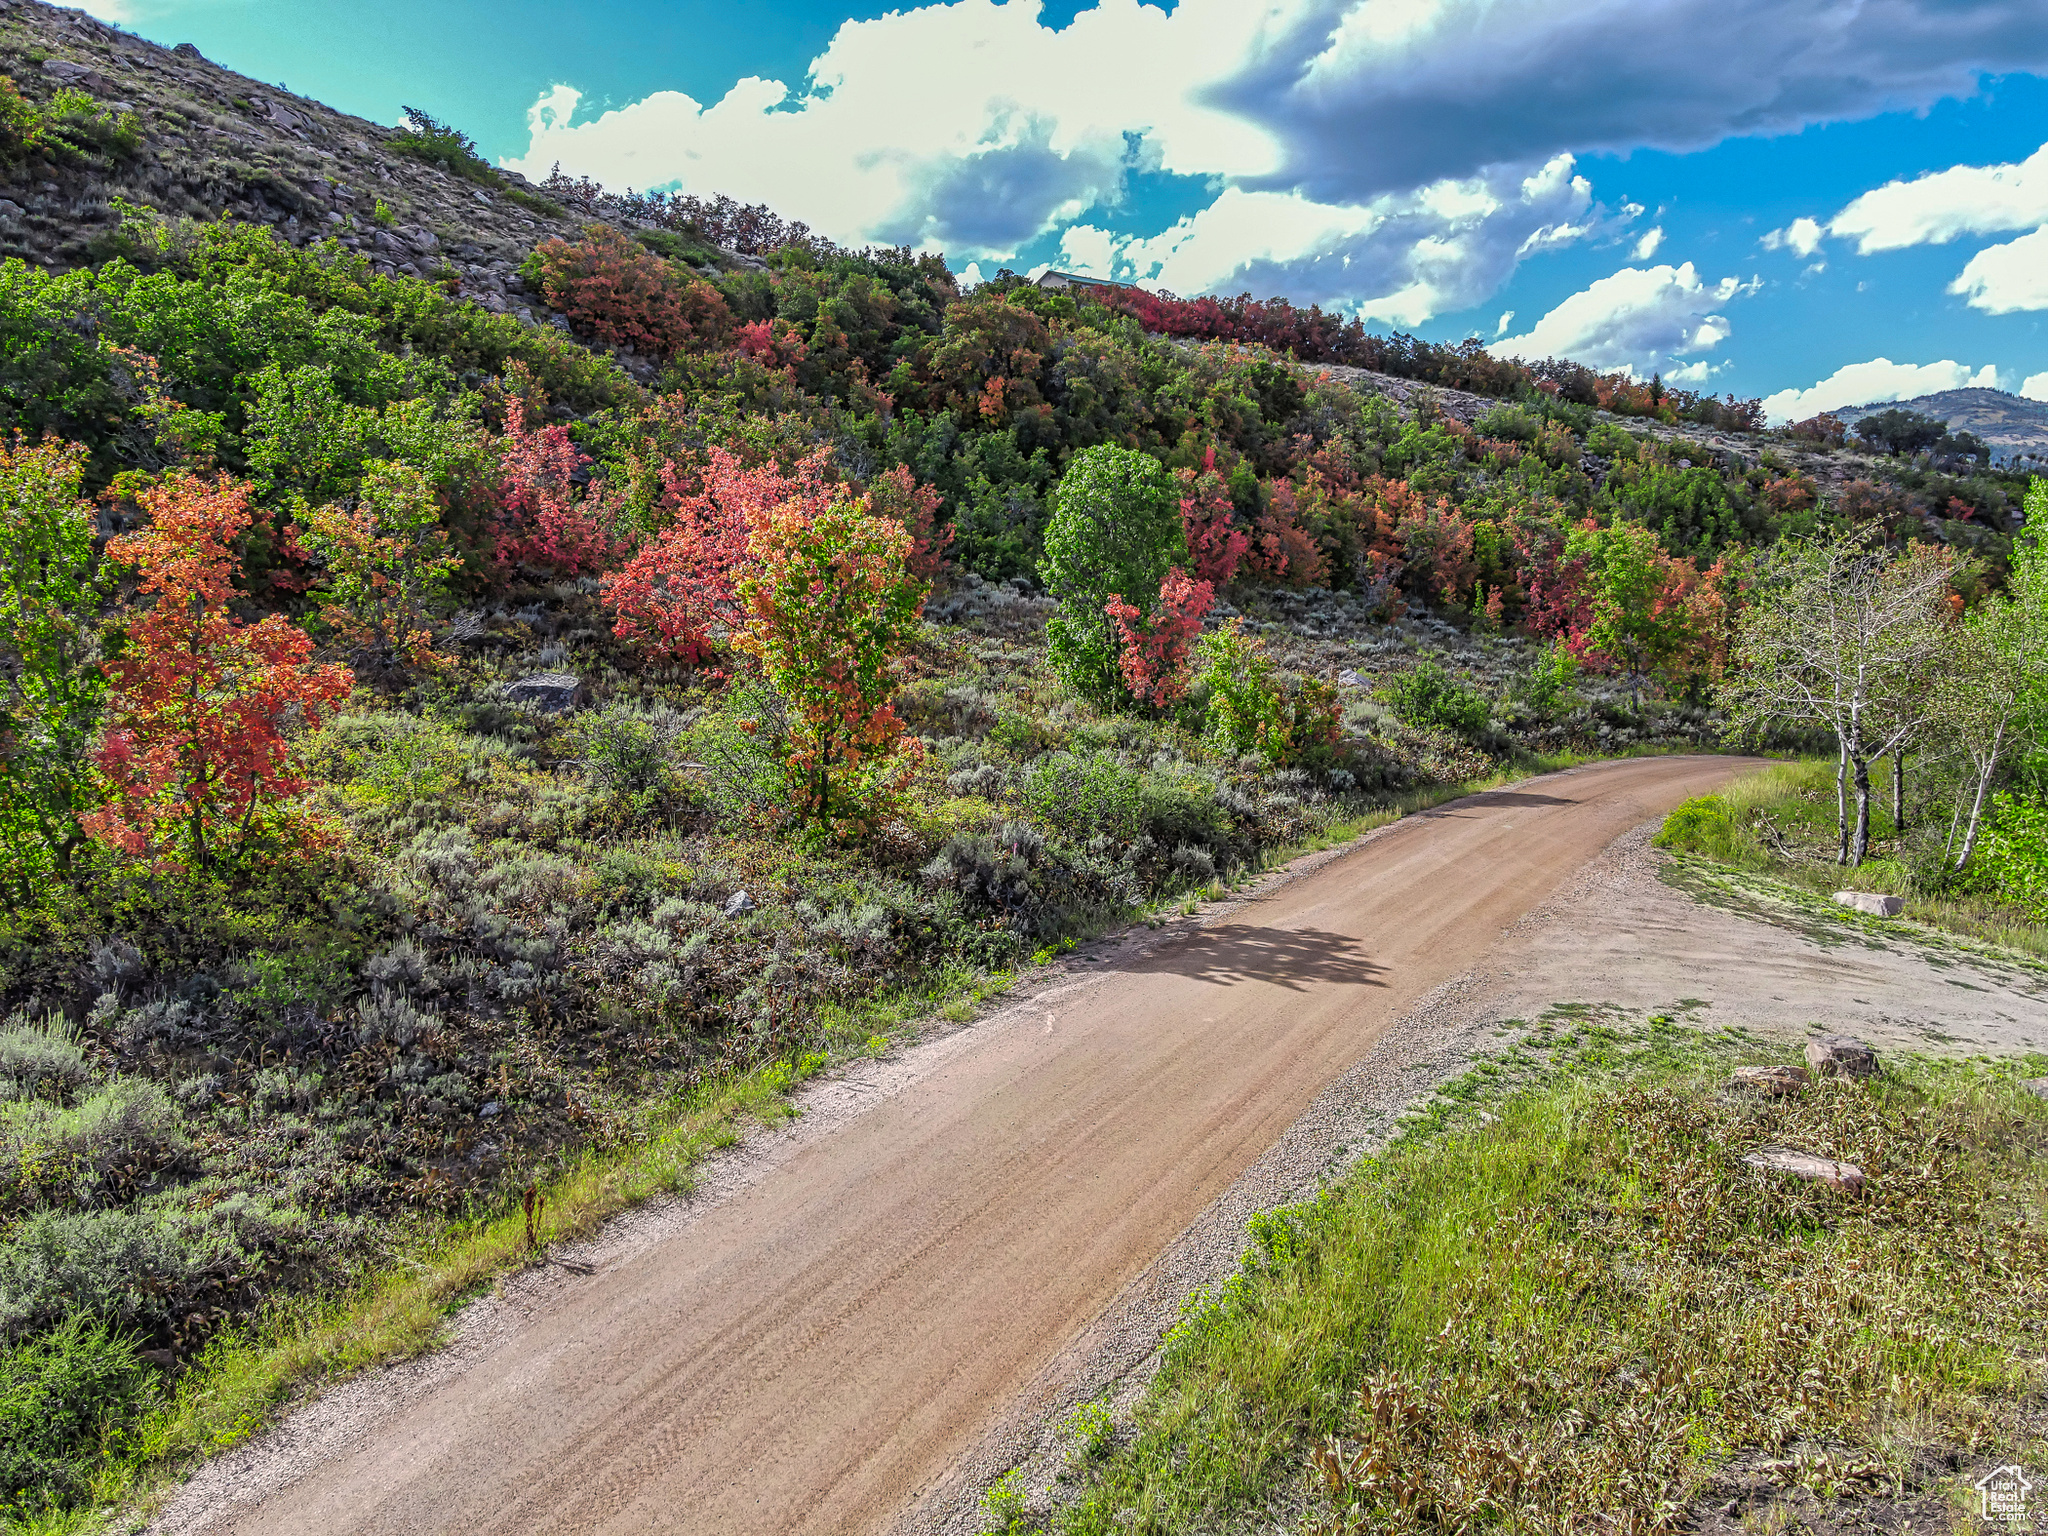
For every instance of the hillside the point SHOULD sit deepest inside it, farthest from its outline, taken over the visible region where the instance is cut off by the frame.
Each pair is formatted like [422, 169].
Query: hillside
[2012, 425]
[210, 143]
[506, 683]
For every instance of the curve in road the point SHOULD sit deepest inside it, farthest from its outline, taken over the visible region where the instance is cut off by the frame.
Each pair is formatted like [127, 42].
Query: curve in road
[817, 1347]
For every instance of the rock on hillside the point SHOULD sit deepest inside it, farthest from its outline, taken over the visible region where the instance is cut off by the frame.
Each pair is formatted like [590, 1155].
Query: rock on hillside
[2011, 424]
[214, 142]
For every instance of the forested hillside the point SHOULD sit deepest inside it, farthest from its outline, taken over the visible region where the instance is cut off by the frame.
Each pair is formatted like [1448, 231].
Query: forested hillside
[486, 664]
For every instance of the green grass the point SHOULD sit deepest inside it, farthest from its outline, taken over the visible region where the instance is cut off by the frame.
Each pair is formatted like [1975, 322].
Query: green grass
[1779, 824]
[1559, 1295]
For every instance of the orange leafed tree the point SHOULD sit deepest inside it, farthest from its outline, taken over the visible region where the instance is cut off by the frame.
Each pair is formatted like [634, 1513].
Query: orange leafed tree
[198, 699]
[1154, 655]
[831, 605]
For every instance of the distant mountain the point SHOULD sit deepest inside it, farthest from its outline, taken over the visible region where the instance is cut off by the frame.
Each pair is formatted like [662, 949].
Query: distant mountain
[2013, 426]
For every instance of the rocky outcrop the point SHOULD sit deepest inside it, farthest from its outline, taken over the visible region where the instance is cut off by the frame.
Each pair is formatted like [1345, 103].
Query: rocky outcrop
[217, 143]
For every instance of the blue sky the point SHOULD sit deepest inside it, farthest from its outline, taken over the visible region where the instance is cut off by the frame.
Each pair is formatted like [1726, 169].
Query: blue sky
[1817, 202]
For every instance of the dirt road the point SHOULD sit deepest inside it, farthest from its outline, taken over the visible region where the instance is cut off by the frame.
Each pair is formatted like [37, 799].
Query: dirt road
[816, 1348]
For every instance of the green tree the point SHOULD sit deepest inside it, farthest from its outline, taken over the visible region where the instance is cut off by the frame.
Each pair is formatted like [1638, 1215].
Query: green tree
[1843, 636]
[831, 605]
[1900, 431]
[50, 696]
[1639, 617]
[1115, 530]
[1991, 698]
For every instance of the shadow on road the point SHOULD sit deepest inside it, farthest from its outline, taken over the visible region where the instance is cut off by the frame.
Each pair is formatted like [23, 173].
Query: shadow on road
[1490, 799]
[1288, 957]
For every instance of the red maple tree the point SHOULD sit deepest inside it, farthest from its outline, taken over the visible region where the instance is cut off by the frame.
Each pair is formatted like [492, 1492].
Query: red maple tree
[1154, 659]
[619, 291]
[198, 700]
[544, 517]
[1208, 516]
[675, 595]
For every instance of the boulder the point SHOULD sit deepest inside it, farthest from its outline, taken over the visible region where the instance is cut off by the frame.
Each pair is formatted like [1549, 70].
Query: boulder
[1350, 679]
[550, 692]
[1872, 902]
[1777, 1082]
[2037, 1086]
[1804, 1165]
[81, 75]
[737, 903]
[1840, 1056]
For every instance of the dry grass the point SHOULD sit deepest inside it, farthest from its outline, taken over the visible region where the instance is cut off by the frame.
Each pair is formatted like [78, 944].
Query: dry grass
[1569, 1311]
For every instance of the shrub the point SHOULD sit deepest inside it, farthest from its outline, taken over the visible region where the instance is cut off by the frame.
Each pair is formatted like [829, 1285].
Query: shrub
[544, 516]
[1115, 529]
[1243, 710]
[65, 1398]
[623, 294]
[627, 752]
[1208, 518]
[675, 596]
[2013, 857]
[73, 128]
[1085, 794]
[1551, 675]
[83, 1154]
[1153, 653]
[199, 700]
[40, 1058]
[831, 606]
[386, 565]
[424, 138]
[144, 1268]
[1510, 423]
[1610, 441]
[1426, 695]
[1700, 825]
[50, 695]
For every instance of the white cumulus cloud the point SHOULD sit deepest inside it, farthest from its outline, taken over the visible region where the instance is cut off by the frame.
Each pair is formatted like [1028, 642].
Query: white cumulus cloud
[2003, 278]
[1874, 382]
[1640, 319]
[2035, 388]
[1936, 208]
[1397, 258]
[1370, 94]
[1647, 246]
[967, 126]
[1801, 237]
[1397, 157]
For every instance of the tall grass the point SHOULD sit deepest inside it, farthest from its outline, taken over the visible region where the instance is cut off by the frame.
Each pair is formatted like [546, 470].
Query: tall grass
[1574, 1309]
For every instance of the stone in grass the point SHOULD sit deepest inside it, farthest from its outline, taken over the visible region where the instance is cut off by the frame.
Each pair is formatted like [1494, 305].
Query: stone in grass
[2037, 1086]
[1804, 1165]
[1778, 1082]
[1872, 902]
[550, 692]
[1840, 1056]
[738, 904]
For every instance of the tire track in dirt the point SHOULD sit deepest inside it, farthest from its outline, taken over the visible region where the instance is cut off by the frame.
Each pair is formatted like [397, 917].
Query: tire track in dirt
[814, 1347]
